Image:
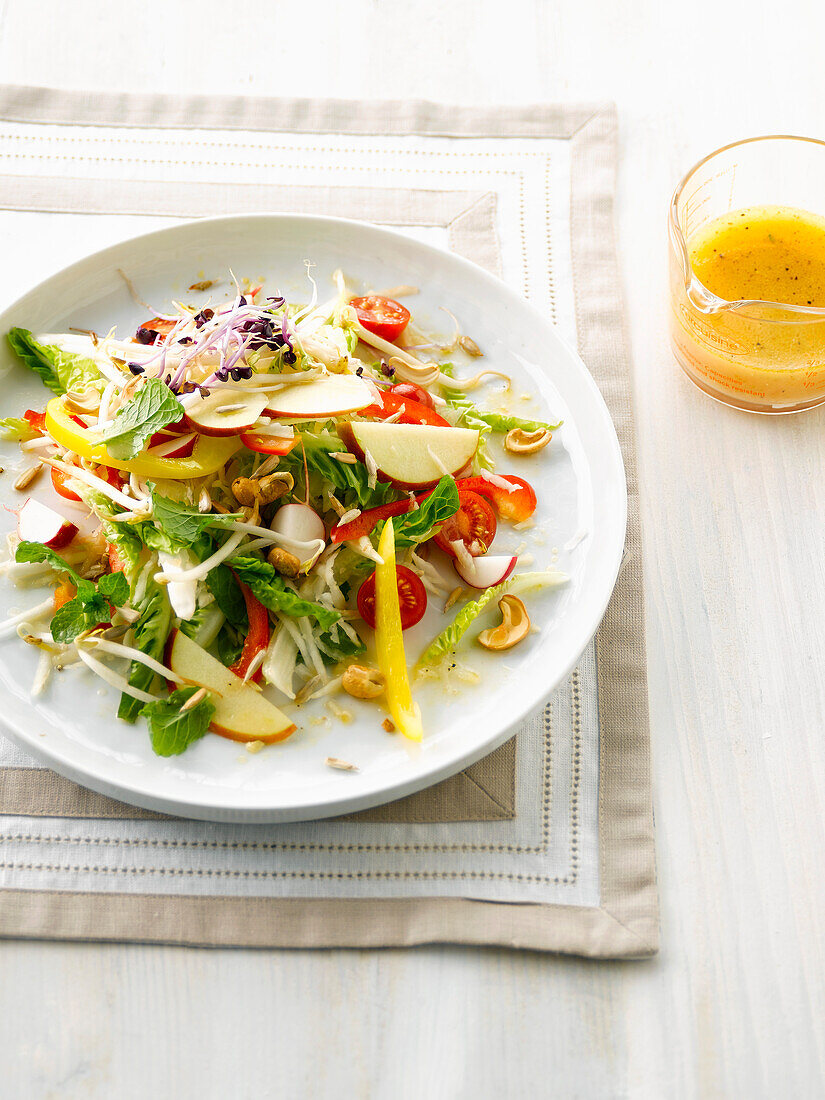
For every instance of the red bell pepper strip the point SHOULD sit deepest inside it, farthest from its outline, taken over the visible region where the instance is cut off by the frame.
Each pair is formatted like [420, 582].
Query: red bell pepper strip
[363, 524]
[515, 506]
[36, 420]
[413, 412]
[257, 637]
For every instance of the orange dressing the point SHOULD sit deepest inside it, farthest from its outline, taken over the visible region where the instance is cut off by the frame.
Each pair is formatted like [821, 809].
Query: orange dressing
[760, 355]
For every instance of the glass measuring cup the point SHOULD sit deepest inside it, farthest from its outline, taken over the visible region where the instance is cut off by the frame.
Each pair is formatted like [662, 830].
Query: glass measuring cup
[760, 356]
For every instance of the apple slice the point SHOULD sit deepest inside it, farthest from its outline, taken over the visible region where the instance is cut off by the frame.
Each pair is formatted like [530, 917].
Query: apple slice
[486, 571]
[37, 523]
[325, 397]
[225, 412]
[241, 712]
[411, 456]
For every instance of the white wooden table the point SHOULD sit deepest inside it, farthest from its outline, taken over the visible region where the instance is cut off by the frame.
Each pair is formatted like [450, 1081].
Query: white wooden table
[732, 508]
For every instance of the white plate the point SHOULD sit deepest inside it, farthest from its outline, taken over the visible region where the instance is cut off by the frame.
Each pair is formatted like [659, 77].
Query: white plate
[581, 517]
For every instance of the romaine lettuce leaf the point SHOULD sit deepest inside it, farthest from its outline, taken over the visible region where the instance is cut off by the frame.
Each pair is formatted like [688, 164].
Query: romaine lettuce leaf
[16, 429]
[59, 370]
[449, 638]
[350, 480]
[150, 634]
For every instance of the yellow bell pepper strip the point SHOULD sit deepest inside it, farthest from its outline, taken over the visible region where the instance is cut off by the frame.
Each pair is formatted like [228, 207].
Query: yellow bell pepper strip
[389, 641]
[209, 453]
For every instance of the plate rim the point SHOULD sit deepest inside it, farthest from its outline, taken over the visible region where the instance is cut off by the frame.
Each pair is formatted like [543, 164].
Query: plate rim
[382, 792]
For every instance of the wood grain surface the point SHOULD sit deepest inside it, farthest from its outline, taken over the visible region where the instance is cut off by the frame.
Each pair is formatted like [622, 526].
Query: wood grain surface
[734, 1005]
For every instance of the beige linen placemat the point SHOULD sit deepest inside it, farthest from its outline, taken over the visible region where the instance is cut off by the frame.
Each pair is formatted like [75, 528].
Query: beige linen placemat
[625, 921]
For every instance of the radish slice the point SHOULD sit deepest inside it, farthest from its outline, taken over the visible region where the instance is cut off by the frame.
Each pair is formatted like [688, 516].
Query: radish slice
[487, 571]
[299, 522]
[37, 523]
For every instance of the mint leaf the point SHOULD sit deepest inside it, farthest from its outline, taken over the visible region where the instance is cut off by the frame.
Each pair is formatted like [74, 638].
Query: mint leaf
[90, 606]
[417, 525]
[269, 587]
[78, 615]
[150, 634]
[59, 370]
[114, 587]
[152, 408]
[183, 523]
[37, 552]
[173, 730]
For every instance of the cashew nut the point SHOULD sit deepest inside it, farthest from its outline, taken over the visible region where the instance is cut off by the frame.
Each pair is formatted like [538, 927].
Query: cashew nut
[283, 562]
[363, 683]
[519, 442]
[514, 626]
[262, 490]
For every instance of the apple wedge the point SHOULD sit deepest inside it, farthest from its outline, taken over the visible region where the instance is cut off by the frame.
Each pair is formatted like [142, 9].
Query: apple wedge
[225, 413]
[325, 397]
[411, 456]
[37, 523]
[241, 712]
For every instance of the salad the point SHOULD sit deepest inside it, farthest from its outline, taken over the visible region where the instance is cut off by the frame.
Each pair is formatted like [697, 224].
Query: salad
[252, 500]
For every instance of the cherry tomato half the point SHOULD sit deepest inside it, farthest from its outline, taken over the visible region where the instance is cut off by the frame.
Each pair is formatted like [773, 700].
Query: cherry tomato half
[474, 523]
[412, 597]
[413, 393]
[381, 316]
[153, 330]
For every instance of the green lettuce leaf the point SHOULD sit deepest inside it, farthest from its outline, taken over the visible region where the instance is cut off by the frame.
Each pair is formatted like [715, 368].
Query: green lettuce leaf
[150, 633]
[59, 370]
[501, 422]
[16, 429]
[228, 645]
[351, 481]
[173, 729]
[449, 638]
[152, 408]
[269, 587]
[337, 644]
